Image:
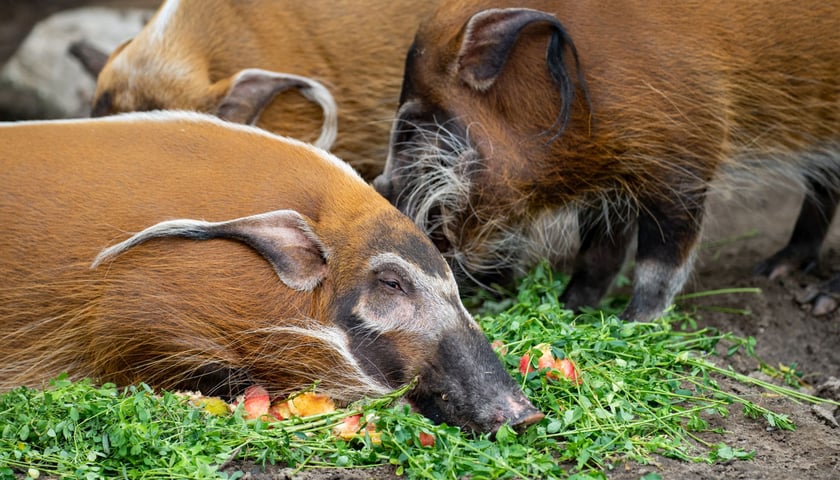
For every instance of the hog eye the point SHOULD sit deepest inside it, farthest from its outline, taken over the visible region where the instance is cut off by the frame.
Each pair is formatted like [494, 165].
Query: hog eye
[392, 284]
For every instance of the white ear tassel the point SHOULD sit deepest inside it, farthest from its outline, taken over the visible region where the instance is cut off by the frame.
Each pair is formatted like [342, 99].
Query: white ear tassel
[170, 228]
[314, 91]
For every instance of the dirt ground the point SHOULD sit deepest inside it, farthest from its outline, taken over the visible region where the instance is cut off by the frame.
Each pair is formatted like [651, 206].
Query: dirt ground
[739, 233]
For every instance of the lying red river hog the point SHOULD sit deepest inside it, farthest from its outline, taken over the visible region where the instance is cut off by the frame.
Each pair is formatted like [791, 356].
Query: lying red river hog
[259, 260]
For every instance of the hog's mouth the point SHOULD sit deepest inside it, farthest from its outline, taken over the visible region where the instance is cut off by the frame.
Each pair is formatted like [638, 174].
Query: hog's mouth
[518, 413]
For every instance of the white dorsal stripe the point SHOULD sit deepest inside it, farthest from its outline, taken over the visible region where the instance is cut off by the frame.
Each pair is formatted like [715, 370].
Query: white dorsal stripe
[157, 28]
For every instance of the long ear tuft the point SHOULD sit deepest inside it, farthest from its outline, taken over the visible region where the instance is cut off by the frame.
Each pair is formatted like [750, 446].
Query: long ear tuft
[489, 37]
[252, 89]
[283, 237]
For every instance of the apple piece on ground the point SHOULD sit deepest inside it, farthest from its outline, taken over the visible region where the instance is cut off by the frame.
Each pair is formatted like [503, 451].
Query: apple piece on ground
[256, 402]
[569, 370]
[280, 410]
[499, 346]
[349, 427]
[427, 439]
[546, 360]
[309, 403]
[370, 429]
[525, 364]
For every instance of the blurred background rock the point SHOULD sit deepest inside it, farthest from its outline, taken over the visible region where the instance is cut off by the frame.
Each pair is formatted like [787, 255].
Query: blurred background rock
[39, 79]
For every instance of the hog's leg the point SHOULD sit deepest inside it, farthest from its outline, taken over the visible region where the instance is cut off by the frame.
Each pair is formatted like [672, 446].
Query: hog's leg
[603, 248]
[668, 233]
[802, 251]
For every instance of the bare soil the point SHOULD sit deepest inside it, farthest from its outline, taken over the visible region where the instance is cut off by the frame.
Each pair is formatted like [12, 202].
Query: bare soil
[740, 232]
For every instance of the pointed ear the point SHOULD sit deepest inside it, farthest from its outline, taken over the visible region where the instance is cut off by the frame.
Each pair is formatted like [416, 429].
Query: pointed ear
[248, 92]
[489, 37]
[283, 237]
[91, 58]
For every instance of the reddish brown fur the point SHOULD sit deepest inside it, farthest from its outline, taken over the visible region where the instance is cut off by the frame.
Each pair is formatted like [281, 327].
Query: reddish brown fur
[334, 285]
[679, 94]
[355, 48]
[212, 298]
[669, 83]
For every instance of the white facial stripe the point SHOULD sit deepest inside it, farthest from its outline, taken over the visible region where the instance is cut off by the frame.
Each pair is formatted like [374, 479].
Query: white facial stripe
[433, 311]
[336, 339]
[430, 283]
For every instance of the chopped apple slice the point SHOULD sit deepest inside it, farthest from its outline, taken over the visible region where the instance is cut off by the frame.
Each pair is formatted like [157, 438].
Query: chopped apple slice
[256, 402]
[280, 410]
[309, 403]
[349, 427]
[427, 439]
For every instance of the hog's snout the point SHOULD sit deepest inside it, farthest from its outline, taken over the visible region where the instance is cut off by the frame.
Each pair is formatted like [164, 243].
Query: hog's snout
[465, 384]
[521, 413]
[514, 410]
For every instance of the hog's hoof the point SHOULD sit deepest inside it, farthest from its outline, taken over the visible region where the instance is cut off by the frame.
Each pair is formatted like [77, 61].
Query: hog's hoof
[823, 298]
[786, 261]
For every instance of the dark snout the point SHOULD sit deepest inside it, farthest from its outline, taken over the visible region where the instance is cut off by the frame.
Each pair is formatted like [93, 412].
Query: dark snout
[465, 384]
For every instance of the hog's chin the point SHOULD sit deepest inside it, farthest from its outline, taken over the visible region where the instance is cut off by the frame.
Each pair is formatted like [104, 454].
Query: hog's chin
[430, 409]
[519, 415]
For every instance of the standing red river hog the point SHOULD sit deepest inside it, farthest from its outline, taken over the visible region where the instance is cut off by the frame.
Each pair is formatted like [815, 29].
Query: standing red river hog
[235, 58]
[296, 272]
[624, 114]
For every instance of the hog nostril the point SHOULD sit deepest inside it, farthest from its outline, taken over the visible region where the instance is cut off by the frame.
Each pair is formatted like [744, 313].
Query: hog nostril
[529, 418]
[520, 413]
[518, 422]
